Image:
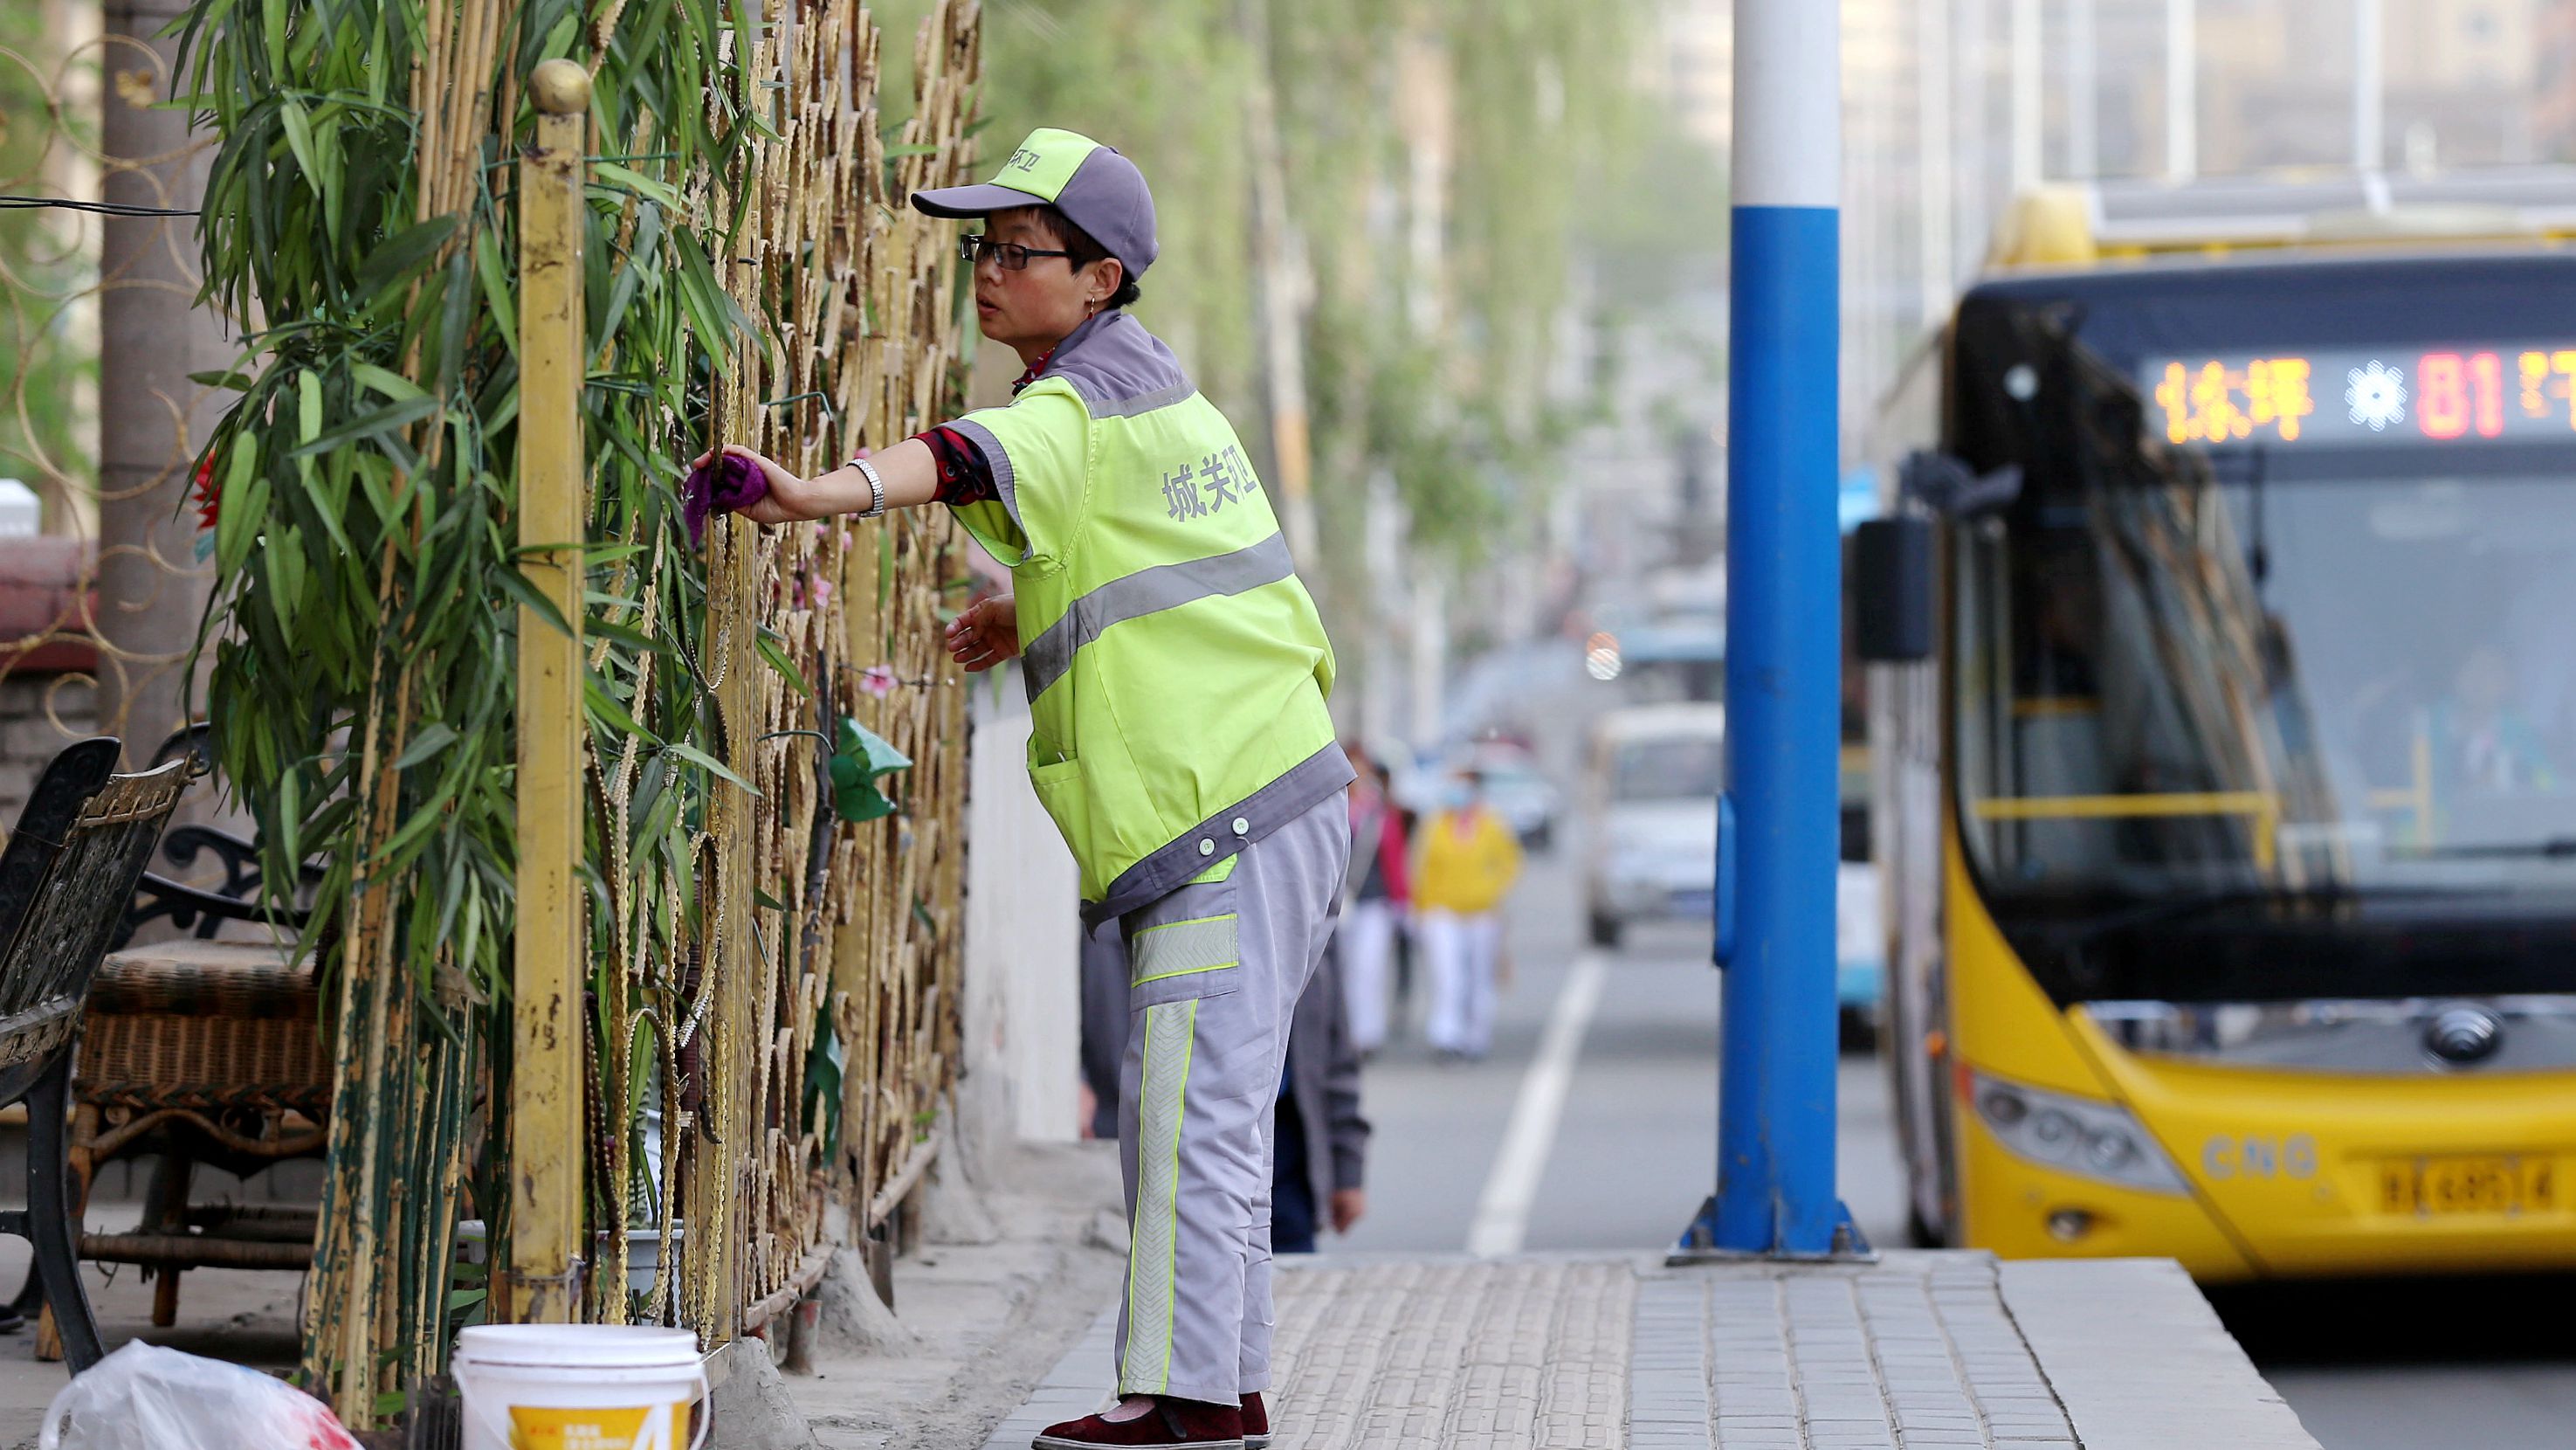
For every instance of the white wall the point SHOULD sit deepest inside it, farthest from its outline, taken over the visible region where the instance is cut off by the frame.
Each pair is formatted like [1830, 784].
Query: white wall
[1023, 1007]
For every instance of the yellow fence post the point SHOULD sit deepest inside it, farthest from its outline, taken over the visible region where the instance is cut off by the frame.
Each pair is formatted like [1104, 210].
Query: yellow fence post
[545, 1104]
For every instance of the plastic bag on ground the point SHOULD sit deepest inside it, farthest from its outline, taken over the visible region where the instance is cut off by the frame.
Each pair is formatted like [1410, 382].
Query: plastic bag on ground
[144, 1397]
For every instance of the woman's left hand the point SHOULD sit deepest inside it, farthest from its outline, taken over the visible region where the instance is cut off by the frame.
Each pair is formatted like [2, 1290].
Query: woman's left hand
[986, 634]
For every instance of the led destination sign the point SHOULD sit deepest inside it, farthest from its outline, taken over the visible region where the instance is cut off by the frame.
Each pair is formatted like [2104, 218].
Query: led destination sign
[2517, 394]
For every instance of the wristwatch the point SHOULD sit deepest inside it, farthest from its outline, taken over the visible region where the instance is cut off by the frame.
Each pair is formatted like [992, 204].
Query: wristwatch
[876, 488]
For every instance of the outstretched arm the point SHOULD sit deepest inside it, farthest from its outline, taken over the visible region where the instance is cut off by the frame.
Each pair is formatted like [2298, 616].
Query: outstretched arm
[911, 477]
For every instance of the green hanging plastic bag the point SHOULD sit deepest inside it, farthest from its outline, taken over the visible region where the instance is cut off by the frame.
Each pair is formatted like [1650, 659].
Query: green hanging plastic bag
[860, 759]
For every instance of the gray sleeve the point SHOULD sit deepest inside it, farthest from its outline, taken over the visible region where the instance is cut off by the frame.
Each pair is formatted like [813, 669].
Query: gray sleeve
[1348, 1129]
[1104, 1024]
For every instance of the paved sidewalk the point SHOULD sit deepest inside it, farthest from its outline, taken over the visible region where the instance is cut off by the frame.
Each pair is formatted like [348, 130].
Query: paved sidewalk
[1948, 1350]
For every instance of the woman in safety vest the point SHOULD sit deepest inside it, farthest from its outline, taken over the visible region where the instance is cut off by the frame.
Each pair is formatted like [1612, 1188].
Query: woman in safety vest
[1176, 673]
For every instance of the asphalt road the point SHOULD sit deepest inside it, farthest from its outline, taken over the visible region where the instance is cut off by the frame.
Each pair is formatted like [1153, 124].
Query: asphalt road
[2460, 1365]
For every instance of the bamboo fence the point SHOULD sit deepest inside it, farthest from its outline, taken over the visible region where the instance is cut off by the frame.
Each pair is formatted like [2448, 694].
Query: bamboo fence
[827, 940]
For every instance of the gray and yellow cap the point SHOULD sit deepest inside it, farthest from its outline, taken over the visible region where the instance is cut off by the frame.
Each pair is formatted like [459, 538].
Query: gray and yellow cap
[1097, 189]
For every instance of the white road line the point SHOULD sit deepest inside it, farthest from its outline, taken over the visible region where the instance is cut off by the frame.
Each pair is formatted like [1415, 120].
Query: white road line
[1502, 1213]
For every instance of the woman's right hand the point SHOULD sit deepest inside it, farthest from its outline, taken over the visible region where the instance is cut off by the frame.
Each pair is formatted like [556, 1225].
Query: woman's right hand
[787, 498]
[986, 634]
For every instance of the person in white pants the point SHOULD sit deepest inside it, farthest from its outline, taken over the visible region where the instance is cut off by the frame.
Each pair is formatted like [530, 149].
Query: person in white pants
[1459, 953]
[1470, 859]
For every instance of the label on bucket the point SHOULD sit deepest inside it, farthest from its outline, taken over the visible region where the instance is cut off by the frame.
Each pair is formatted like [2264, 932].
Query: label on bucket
[550, 1427]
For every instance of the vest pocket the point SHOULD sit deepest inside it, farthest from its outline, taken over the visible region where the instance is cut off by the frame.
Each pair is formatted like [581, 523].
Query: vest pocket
[1060, 791]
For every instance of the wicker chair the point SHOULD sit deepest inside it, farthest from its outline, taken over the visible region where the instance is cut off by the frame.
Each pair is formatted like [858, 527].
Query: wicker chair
[67, 875]
[200, 1051]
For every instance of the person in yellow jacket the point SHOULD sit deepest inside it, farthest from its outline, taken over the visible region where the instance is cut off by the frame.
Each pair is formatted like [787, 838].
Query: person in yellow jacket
[1470, 858]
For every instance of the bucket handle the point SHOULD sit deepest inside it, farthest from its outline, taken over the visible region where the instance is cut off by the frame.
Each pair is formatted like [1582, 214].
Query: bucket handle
[703, 1401]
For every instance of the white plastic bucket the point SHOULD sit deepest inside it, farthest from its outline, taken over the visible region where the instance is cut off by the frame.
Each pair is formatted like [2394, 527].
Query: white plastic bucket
[580, 1387]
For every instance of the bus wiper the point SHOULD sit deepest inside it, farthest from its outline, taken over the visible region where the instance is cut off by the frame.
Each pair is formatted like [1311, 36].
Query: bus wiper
[2181, 908]
[2553, 848]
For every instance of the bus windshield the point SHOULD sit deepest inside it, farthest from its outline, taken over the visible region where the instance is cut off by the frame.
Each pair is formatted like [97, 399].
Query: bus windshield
[2327, 685]
[2263, 674]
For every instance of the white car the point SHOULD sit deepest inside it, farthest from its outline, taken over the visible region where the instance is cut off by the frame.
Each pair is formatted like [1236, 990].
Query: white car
[1654, 778]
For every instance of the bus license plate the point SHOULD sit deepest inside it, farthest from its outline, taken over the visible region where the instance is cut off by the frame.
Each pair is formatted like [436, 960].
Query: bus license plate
[2428, 1187]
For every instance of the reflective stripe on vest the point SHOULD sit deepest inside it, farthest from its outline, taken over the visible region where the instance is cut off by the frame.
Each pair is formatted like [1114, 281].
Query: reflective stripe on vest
[1150, 591]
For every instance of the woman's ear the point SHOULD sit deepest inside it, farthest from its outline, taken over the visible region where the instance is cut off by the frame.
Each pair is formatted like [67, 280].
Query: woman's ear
[1107, 275]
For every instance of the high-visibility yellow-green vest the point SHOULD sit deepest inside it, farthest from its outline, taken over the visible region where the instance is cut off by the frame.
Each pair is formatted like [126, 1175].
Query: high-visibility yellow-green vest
[1176, 668]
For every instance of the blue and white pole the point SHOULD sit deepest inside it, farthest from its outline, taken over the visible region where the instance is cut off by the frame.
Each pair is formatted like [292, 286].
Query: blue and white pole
[1778, 820]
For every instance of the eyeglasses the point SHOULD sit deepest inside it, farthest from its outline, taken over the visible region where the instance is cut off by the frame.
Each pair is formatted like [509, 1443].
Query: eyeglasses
[975, 247]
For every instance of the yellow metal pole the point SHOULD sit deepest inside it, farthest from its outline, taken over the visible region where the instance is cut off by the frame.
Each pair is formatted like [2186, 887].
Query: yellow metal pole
[545, 1085]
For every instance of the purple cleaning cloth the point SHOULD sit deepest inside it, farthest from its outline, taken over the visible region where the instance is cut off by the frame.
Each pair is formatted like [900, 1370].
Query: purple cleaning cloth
[728, 483]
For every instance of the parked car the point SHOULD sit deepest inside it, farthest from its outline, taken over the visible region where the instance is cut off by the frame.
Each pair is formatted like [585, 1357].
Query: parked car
[1652, 788]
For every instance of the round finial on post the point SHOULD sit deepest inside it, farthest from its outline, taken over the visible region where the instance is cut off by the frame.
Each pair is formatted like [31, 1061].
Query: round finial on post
[560, 88]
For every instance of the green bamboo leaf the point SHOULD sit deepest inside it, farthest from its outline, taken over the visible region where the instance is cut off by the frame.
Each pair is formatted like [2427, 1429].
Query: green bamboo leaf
[308, 402]
[771, 650]
[621, 178]
[385, 381]
[516, 585]
[428, 743]
[700, 758]
[633, 639]
[372, 425]
[273, 30]
[496, 288]
[610, 710]
[238, 521]
[299, 134]
[282, 559]
[392, 264]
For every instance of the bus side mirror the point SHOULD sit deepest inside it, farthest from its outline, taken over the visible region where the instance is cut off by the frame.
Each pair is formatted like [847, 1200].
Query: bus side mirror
[1892, 589]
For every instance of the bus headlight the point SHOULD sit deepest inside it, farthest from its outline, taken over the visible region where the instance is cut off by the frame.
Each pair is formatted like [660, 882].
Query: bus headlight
[2093, 1140]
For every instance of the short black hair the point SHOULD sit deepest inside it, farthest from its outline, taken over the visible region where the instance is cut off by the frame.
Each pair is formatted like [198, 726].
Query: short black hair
[1087, 251]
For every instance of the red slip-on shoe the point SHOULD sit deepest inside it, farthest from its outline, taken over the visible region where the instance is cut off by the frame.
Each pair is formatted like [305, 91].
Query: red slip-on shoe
[1171, 1425]
[1256, 1422]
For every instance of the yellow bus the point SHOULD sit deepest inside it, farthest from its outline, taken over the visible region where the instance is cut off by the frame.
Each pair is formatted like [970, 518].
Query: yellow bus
[2223, 725]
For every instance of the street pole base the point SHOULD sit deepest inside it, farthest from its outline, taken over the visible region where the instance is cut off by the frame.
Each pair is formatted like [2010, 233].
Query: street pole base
[1698, 1244]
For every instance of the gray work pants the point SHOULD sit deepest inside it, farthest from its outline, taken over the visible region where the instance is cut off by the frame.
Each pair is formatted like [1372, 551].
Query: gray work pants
[1214, 972]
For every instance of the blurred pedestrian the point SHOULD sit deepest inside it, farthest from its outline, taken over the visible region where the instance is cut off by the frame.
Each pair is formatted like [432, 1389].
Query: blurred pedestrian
[1104, 1029]
[1374, 901]
[1178, 675]
[1320, 1150]
[1470, 858]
